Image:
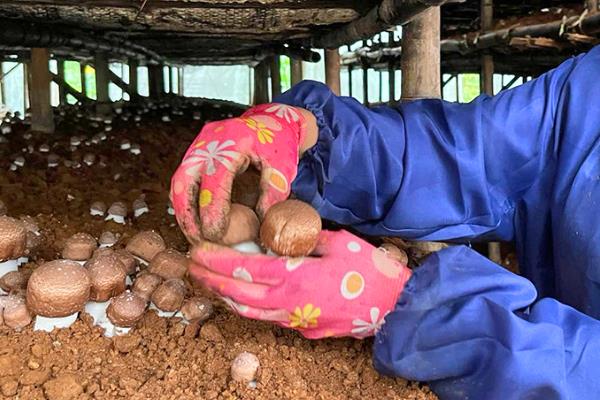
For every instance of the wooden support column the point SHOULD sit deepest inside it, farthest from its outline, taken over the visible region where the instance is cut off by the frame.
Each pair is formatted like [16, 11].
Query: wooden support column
[102, 81]
[392, 83]
[421, 57]
[133, 79]
[295, 70]
[332, 70]
[172, 81]
[261, 82]
[42, 118]
[180, 81]
[82, 66]
[156, 81]
[62, 93]
[275, 77]
[365, 82]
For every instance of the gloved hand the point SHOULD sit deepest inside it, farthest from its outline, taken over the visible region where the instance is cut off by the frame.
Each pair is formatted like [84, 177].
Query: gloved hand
[268, 136]
[345, 290]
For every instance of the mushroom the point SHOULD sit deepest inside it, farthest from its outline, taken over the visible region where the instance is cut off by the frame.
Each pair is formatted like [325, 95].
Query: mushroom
[395, 253]
[56, 292]
[79, 247]
[75, 141]
[53, 160]
[125, 144]
[135, 149]
[245, 367]
[44, 148]
[197, 116]
[107, 239]
[16, 315]
[139, 207]
[291, 228]
[126, 309]
[97, 208]
[128, 260]
[145, 245]
[169, 295]
[89, 159]
[117, 212]
[169, 264]
[145, 284]
[243, 225]
[197, 308]
[13, 241]
[170, 209]
[107, 276]
[14, 280]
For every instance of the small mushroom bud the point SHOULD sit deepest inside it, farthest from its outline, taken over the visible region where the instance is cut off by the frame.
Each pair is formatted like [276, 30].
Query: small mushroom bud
[169, 264]
[75, 141]
[58, 288]
[291, 228]
[98, 208]
[125, 144]
[14, 280]
[169, 295]
[243, 225]
[139, 208]
[89, 159]
[146, 245]
[126, 309]
[145, 284]
[19, 161]
[197, 308]
[197, 116]
[79, 247]
[15, 313]
[395, 253]
[245, 367]
[128, 260]
[44, 148]
[107, 275]
[13, 239]
[107, 239]
[53, 160]
[117, 212]
[135, 149]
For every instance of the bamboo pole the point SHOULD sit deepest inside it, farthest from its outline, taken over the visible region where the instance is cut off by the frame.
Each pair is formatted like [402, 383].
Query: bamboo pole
[332, 70]
[42, 118]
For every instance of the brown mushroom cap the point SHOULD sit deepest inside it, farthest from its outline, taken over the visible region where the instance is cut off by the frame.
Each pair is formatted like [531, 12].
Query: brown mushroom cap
[118, 208]
[16, 315]
[107, 274]
[243, 225]
[108, 238]
[245, 367]
[145, 284]
[169, 264]
[128, 260]
[169, 295]
[98, 206]
[14, 280]
[126, 309]
[197, 308]
[79, 247]
[13, 238]
[395, 253]
[146, 245]
[58, 288]
[291, 228]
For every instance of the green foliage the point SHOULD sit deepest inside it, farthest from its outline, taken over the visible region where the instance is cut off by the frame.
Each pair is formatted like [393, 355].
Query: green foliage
[284, 72]
[470, 86]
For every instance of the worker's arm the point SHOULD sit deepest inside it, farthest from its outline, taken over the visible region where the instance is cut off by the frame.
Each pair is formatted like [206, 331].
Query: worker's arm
[428, 169]
[471, 329]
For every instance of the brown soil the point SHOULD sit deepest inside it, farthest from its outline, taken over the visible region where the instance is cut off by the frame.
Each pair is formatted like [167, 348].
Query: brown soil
[160, 358]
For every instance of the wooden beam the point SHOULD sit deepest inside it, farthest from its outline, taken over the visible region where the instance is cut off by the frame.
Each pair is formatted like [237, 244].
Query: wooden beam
[60, 67]
[275, 76]
[295, 70]
[261, 83]
[68, 89]
[102, 80]
[114, 78]
[156, 81]
[133, 79]
[387, 14]
[332, 70]
[421, 57]
[42, 117]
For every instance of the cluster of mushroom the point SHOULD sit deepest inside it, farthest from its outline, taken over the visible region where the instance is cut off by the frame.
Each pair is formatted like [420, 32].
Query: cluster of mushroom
[118, 210]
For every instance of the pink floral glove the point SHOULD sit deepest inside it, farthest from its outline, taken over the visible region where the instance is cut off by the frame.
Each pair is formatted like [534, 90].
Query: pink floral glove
[346, 290]
[267, 136]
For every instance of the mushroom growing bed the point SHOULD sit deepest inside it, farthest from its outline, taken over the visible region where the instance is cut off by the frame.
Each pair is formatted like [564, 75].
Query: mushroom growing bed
[159, 357]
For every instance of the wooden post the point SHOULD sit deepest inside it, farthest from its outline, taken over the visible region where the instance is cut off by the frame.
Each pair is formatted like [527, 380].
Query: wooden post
[487, 60]
[332, 70]
[102, 81]
[365, 70]
[261, 82]
[156, 81]
[180, 81]
[42, 118]
[295, 70]
[421, 57]
[60, 68]
[82, 72]
[275, 77]
[392, 83]
[133, 79]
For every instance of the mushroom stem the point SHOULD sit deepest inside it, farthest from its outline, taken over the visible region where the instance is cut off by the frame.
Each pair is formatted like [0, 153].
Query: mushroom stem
[248, 247]
[98, 313]
[9, 266]
[119, 219]
[49, 324]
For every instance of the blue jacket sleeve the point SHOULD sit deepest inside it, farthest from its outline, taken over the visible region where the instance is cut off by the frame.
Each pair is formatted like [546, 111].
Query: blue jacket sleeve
[428, 169]
[471, 329]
